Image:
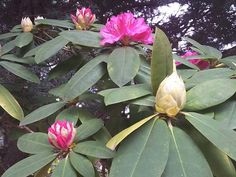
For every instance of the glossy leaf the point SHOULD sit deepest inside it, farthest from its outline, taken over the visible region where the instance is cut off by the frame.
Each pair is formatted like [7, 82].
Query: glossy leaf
[88, 128]
[20, 71]
[23, 39]
[29, 165]
[64, 169]
[117, 139]
[162, 62]
[85, 78]
[12, 57]
[82, 165]
[94, 149]
[123, 65]
[144, 153]
[117, 95]
[84, 38]
[221, 137]
[10, 104]
[49, 49]
[210, 93]
[185, 159]
[8, 35]
[34, 143]
[70, 114]
[53, 22]
[42, 113]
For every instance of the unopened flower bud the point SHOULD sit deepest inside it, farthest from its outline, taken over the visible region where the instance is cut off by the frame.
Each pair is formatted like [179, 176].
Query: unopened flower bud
[61, 134]
[83, 19]
[38, 18]
[171, 95]
[26, 24]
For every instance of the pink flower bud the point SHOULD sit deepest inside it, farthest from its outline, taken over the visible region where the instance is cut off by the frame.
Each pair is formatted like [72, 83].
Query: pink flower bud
[61, 134]
[26, 24]
[83, 19]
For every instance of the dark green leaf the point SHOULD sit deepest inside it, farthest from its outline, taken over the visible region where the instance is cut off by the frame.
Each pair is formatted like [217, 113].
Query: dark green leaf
[23, 39]
[34, 143]
[42, 113]
[185, 62]
[229, 61]
[82, 164]
[12, 57]
[32, 52]
[7, 47]
[94, 149]
[123, 65]
[186, 73]
[144, 153]
[70, 114]
[145, 101]
[29, 165]
[53, 22]
[8, 35]
[162, 62]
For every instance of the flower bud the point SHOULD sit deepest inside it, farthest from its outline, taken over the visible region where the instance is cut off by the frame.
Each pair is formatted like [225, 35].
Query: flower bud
[171, 95]
[84, 18]
[38, 18]
[26, 24]
[61, 134]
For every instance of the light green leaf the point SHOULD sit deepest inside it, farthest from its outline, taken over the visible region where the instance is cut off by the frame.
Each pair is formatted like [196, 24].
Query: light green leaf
[53, 22]
[23, 39]
[12, 57]
[117, 95]
[70, 114]
[185, 159]
[221, 137]
[145, 101]
[94, 149]
[20, 71]
[10, 104]
[116, 140]
[34, 143]
[8, 35]
[144, 153]
[82, 164]
[162, 62]
[49, 49]
[210, 93]
[42, 113]
[84, 38]
[186, 73]
[229, 61]
[123, 65]
[29, 165]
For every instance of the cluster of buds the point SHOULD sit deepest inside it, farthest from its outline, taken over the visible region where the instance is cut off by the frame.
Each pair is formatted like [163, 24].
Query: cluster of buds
[26, 24]
[171, 95]
[61, 134]
[83, 19]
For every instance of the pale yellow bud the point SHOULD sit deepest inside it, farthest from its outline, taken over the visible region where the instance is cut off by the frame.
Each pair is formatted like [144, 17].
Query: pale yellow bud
[26, 24]
[171, 95]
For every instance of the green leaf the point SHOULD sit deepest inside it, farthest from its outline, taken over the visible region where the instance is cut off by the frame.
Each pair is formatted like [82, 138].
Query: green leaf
[49, 49]
[20, 71]
[94, 149]
[7, 47]
[145, 101]
[23, 39]
[10, 104]
[229, 61]
[29, 165]
[85, 78]
[12, 57]
[144, 74]
[84, 38]
[117, 95]
[123, 65]
[144, 153]
[82, 164]
[53, 22]
[185, 62]
[42, 113]
[70, 114]
[186, 73]
[64, 169]
[32, 52]
[185, 159]
[225, 113]
[221, 137]
[34, 143]
[210, 93]
[162, 62]
[89, 128]
[116, 140]
[8, 35]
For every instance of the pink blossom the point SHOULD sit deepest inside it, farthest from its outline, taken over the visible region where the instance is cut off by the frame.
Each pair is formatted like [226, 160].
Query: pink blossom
[126, 28]
[202, 64]
[83, 19]
[61, 134]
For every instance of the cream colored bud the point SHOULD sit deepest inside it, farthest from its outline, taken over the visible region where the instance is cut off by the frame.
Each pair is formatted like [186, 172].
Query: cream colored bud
[26, 24]
[171, 95]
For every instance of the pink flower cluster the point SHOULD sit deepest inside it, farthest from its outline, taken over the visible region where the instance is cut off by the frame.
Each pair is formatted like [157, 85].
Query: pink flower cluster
[126, 28]
[61, 134]
[83, 19]
[202, 64]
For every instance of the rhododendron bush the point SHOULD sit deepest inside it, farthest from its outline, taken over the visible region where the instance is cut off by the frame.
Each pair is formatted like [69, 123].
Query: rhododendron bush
[132, 107]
